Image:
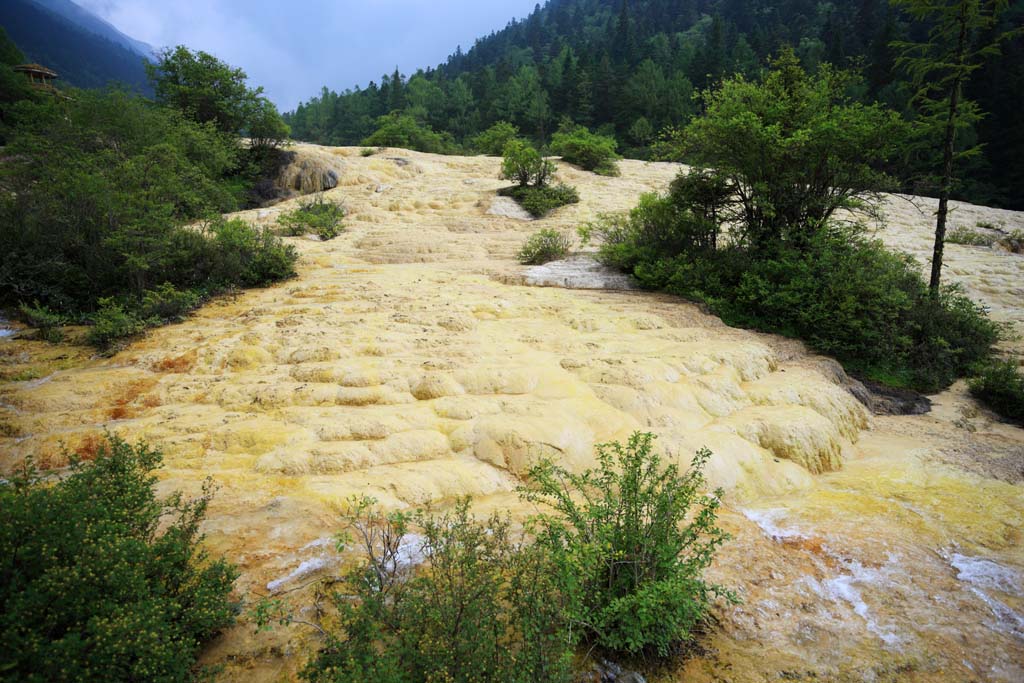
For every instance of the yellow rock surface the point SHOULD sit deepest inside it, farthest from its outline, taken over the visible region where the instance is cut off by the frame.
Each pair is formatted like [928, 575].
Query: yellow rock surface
[401, 365]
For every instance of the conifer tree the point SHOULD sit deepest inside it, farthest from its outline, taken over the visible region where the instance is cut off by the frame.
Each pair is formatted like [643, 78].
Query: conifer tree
[958, 44]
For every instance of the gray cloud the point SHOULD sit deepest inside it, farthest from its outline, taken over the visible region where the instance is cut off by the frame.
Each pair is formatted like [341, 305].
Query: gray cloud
[292, 49]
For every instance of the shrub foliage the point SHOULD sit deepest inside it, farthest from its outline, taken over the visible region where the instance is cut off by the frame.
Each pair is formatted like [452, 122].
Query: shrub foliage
[493, 140]
[618, 563]
[631, 540]
[483, 606]
[544, 246]
[590, 151]
[101, 579]
[1000, 385]
[540, 201]
[522, 163]
[317, 216]
[399, 129]
[760, 240]
[98, 195]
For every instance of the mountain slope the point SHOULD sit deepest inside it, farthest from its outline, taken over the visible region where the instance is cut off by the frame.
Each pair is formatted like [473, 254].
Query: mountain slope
[94, 24]
[82, 57]
[631, 67]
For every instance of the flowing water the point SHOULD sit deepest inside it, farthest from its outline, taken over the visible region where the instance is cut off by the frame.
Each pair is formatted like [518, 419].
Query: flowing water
[411, 361]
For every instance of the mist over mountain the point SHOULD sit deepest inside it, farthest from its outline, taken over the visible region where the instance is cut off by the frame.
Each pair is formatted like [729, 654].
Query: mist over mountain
[86, 51]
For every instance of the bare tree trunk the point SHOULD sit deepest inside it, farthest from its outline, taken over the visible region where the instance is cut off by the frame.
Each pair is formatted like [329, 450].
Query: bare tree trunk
[947, 158]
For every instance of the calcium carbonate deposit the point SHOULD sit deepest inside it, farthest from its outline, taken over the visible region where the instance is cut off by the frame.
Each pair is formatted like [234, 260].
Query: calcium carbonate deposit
[411, 360]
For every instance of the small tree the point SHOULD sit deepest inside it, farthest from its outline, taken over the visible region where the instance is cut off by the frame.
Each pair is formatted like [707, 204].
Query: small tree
[524, 164]
[794, 148]
[630, 553]
[204, 87]
[266, 129]
[958, 43]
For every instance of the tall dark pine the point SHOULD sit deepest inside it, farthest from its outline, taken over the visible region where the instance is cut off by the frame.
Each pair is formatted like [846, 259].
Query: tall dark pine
[941, 68]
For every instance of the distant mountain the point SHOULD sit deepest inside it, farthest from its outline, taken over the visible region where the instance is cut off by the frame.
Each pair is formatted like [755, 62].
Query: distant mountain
[94, 24]
[630, 68]
[86, 51]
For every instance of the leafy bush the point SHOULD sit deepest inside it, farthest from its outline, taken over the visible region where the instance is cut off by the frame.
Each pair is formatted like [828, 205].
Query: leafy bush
[493, 140]
[543, 246]
[104, 581]
[481, 607]
[265, 128]
[46, 321]
[962, 235]
[113, 322]
[248, 256]
[844, 295]
[631, 540]
[795, 146]
[524, 164]
[399, 129]
[1000, 386]
[788, 153]
[317, 216]
[590, 151]
[166, 303]
[540, 201]
[367, 152]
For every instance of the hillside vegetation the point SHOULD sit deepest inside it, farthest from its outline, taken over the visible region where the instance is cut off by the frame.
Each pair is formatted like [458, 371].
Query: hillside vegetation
[101, 190]
[630, 68]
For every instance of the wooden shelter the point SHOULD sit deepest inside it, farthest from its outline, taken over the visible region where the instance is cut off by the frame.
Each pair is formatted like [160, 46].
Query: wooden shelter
[38, 75]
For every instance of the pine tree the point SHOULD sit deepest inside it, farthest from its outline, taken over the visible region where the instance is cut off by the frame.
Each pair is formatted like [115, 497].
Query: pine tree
[941, 67]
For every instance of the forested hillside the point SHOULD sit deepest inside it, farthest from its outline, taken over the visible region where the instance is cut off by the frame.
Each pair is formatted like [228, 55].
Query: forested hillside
[81, 56]
[631, 67]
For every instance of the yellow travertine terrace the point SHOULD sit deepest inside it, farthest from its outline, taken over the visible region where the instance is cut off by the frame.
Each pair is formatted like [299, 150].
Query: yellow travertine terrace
[408, 362]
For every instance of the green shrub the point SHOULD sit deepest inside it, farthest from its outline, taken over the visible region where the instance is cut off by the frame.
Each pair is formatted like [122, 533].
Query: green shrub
[399, 129]
[540, 201]
[317, 216]
[113, 322]
[248, 256]
[367, 152]
[107, 213]
[1000, 386]
[631, 540]
[524, 164]
[46, 321]
[493, 140]
[589, 151]
[962, 235]
[166, 303]
[543, 246]
[844, 295]
[481, 607]
[103, 580]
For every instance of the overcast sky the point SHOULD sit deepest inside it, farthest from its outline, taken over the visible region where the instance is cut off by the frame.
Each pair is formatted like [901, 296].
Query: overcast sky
[294, 48]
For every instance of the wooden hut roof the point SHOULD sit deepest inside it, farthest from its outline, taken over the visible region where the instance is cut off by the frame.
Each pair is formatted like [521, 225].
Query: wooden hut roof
[37, 69]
